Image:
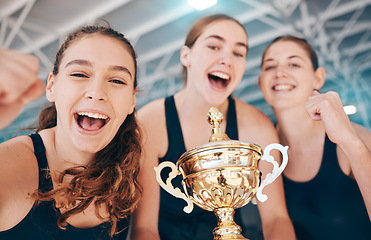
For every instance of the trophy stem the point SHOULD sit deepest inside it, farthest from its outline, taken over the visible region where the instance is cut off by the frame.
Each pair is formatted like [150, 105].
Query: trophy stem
[227, 229]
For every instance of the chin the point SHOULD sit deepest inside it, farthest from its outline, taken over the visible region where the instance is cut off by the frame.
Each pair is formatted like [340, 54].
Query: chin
[216, 101]
[89, 147]
[216, 98]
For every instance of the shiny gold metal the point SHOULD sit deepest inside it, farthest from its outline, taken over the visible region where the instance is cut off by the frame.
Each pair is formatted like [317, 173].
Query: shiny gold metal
[215, 117]
[221, 176]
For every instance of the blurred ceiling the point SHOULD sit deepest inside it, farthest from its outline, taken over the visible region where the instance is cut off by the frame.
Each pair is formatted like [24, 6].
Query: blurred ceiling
[340, 30]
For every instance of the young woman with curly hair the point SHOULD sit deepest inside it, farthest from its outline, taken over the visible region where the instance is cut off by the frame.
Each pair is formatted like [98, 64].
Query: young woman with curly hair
[76, 177]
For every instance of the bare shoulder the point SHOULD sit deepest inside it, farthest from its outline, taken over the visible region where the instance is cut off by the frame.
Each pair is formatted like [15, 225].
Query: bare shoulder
[152, 121]
[154, 110]
[17, 155]
[17, 150]
[254, 125]
[152, 117]
[18, 179]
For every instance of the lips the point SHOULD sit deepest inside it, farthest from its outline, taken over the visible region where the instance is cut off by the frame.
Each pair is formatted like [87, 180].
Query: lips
[219, 80]
[91, 121]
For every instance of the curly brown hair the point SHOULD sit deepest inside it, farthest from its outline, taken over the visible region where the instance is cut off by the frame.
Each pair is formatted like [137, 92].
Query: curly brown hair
[110, 178]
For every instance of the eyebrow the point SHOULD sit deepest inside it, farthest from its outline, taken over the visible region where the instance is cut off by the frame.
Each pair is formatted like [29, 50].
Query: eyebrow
[121, 69]
[88, 63]
[78, 62]
[290, 57]
[222, 39]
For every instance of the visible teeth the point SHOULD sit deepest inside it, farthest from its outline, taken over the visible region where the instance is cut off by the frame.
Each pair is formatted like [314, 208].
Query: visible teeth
[283, 87]
[220, 75]
[93, 115]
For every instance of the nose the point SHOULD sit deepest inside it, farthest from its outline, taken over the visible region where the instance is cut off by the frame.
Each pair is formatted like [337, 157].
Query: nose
[96, 91]
[225, 58]
[281, 72]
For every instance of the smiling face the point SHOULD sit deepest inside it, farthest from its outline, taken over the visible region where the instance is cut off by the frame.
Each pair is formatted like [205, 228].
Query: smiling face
[93, 91]
[287, 76]
[216, 62]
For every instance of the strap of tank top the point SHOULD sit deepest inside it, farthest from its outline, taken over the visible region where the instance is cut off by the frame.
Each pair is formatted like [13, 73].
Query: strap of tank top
[174, 130]
[232, 128]
[330, 161]
[45, 182]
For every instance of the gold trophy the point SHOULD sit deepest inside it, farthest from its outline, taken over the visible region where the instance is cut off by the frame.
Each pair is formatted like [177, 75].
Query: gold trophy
[221, 176]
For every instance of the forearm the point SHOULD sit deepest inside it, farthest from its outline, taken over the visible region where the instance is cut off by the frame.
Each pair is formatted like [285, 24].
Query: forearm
[360, 162]
[279, 229]
[143, 234]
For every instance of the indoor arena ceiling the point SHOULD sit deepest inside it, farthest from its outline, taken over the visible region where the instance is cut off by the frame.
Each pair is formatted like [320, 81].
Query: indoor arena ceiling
[340, 30]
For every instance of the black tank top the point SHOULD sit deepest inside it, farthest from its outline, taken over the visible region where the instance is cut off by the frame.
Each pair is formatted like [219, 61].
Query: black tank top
[41, 222]
[329, 206]
[174, 223]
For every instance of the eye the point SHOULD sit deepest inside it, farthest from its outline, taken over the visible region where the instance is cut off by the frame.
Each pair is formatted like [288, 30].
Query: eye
[212, 47]
[237, 54]
[266, 68]
[79, 75]
[117, 81]
[294, 65]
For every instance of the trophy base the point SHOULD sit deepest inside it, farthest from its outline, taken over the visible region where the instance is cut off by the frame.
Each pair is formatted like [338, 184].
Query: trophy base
[227, 229]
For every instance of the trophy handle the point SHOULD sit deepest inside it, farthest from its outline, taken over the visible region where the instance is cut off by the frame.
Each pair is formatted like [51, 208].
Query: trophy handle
[270, 177]
[169, 187]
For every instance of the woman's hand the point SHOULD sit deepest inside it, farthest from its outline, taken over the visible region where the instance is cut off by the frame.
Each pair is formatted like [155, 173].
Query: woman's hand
[328, 108]
[19, 83]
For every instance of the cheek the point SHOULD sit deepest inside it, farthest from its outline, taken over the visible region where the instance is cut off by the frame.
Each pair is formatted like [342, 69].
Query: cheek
[240, 67]
[123, 103]
[262, 81]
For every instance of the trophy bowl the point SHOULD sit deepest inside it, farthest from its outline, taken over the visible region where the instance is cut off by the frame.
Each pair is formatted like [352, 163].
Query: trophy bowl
[221, 176]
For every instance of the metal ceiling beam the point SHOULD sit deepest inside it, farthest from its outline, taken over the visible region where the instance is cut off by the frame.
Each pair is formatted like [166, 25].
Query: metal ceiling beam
[322, 18]
[85, 18]
[344, 32]
[12, 7]
[164, 19]
[18, 23]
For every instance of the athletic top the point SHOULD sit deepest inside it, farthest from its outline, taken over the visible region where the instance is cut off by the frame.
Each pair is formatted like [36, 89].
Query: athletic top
[329, 206]
[41, 222]
[174, 223]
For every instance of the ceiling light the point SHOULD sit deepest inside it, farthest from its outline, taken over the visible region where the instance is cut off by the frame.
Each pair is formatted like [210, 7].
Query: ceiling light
[202, 4]
[350, 109]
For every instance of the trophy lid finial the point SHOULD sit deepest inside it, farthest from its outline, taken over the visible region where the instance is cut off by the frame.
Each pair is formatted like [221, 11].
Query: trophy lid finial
[215, 117]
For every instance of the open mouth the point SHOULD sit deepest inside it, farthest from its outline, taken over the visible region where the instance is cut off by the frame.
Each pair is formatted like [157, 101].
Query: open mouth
[283, 87]
[219, 80]
[91, 121]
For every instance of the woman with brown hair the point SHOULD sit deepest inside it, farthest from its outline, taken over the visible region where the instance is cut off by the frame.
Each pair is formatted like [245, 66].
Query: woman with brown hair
[75, 178]
[214, 56]
[327, 179]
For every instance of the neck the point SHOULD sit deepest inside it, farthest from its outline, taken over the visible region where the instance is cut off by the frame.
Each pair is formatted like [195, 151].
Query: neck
[61, 154]
[190, 103]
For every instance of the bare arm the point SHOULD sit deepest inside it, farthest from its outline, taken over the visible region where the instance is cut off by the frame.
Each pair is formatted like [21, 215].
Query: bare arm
[359, 155]
[353, 140]
[19, 83]
[276, 223]
[145, 219]
[18, 178]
